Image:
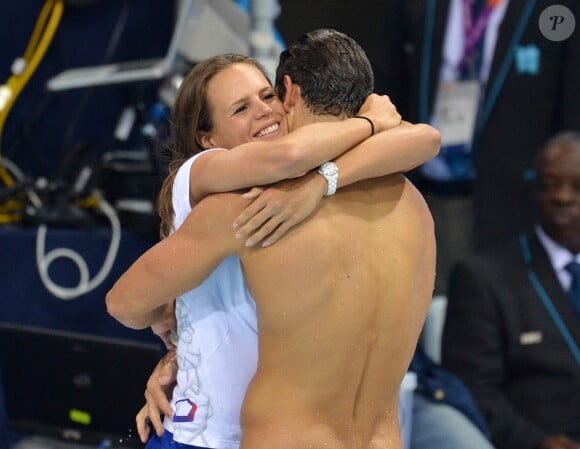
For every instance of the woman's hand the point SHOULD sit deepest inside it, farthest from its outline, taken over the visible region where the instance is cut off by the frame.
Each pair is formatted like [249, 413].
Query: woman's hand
[381, 111]
[159, 388]
[278, 208]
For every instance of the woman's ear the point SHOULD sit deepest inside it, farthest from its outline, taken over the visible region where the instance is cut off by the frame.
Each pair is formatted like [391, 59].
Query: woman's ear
[204, 140]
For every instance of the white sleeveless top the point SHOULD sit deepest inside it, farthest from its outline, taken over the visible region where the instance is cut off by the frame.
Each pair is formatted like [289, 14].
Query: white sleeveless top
[217, 351]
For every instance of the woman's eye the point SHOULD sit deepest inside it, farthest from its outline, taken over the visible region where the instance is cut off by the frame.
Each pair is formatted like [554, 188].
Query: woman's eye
[240, 109]
[269, 96]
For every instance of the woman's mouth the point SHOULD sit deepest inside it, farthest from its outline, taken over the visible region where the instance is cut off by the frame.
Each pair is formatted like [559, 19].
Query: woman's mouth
[269, 130]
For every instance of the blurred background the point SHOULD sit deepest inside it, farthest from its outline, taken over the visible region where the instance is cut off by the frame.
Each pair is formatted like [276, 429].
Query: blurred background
[86, 87]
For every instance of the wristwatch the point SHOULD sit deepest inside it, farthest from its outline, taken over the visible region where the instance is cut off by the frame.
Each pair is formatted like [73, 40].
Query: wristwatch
[330, 172]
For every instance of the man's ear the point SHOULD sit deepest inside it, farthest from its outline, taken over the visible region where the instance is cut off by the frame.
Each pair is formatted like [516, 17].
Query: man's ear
[204, 140]
[292, 93]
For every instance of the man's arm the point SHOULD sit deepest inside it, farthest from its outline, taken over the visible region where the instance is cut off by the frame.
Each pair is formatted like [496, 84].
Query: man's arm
[176, 264]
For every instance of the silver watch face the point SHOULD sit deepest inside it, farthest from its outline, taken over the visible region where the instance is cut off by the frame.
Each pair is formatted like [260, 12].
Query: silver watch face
[329, 169]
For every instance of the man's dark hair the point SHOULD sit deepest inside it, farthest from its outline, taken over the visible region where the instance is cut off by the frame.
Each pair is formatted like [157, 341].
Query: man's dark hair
[332, 70]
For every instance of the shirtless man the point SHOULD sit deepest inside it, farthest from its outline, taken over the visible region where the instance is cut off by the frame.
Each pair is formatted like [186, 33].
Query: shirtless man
[341, 299]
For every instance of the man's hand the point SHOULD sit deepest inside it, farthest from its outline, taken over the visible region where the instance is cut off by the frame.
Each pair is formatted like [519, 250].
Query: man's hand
[381, 111]
[158, 392]
[165, 327]
[278, 208]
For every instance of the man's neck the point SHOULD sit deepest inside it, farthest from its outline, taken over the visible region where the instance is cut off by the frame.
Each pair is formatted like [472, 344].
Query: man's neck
[308, 117]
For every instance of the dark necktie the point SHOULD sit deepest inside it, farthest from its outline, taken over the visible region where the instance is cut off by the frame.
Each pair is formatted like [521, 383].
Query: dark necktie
[574, 292]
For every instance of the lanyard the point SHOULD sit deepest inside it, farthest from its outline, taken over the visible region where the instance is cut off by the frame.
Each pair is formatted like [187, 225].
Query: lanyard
[494, 89]
[474, 30]
[548, 304]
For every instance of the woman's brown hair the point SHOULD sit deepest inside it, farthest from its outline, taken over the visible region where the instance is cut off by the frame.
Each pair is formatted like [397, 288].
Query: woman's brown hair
[190, 114]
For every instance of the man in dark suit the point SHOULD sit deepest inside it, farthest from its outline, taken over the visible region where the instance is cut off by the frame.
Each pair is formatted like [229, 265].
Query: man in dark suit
[512, 329]
[530, 91]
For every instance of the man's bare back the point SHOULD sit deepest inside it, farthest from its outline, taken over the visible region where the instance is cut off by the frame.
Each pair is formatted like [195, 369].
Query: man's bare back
[341, 302]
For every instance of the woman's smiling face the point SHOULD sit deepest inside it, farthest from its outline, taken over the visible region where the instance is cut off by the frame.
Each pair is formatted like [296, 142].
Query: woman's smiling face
[243, 108]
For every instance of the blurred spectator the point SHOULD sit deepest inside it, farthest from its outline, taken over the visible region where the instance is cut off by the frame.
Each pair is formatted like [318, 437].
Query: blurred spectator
[445, 416]
[520, 76]
[512, 331]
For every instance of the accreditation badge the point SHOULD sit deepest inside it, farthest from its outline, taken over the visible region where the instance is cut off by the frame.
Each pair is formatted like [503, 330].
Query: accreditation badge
[455, 112]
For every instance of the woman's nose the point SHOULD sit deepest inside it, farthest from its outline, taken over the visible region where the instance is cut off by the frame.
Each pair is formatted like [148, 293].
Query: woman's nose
[264, 109]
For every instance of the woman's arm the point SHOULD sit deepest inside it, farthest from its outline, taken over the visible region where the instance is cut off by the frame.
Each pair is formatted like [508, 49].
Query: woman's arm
[261, 163]
[275, 210]
[397, 150]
